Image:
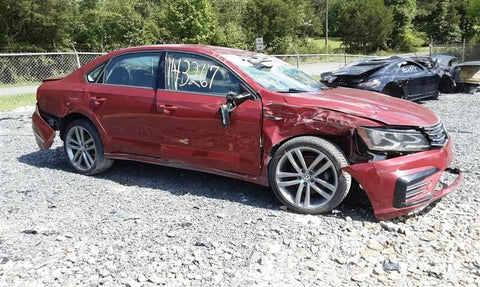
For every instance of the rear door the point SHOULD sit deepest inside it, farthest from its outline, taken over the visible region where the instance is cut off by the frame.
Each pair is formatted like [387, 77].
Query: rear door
[194, 88]
[122, 96]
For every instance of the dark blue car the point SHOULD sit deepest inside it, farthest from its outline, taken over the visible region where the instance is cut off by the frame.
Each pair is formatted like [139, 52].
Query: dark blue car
[397, 76]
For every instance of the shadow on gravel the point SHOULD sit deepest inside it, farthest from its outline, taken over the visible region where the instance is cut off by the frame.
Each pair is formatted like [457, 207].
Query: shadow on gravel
[181, 182]
[156, 177]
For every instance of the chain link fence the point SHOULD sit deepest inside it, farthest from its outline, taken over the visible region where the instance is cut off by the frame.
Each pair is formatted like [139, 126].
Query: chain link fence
[341, 60]
[22, 73]
[464, 52]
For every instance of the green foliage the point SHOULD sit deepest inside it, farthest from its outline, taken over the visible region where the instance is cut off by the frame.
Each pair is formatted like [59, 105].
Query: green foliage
[403, 36]
[28, 69]
[274, 20]
[34, 23]
[286, 25]
[365, 25]
[190, 21]
[444, 21]
[473, 16]
[229, 31]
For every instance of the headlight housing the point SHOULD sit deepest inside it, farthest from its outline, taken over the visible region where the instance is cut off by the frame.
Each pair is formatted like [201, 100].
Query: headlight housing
[393, 140]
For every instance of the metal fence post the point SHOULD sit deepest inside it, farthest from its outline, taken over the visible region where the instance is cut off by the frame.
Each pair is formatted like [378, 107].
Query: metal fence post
[76, 56]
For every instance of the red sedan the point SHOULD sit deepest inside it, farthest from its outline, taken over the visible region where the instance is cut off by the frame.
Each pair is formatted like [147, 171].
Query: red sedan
[248, 116]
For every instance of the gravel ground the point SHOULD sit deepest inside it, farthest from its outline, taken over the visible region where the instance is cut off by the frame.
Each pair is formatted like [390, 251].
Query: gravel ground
[147, 225]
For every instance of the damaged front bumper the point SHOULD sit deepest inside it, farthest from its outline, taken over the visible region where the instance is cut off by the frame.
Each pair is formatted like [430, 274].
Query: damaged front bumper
[44, 133]
[401, 185]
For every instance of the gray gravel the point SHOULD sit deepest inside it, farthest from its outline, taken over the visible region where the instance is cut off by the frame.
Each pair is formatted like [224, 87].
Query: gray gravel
[147, 225]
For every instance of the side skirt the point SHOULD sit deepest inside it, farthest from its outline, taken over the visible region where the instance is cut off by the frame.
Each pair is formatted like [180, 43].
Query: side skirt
[245, 177]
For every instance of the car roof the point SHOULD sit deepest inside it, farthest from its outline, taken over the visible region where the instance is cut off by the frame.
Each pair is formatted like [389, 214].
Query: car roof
[205, 49]
[377, 61]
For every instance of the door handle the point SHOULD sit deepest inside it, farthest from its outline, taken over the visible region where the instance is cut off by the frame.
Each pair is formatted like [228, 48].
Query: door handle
[166, 109]
[95, 102]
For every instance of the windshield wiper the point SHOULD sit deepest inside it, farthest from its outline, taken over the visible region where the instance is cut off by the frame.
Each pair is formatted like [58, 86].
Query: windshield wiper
[292, 90]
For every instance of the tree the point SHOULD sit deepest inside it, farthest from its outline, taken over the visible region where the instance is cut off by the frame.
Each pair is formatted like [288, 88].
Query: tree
[34, 24]
[365, 25]
[111, 24]
[441, 19]
[473, 16]
[404, 37]
[190, 21]
[274, 20]
[229, 31]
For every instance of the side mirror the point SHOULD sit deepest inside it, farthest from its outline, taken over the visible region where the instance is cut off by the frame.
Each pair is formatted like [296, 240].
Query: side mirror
[233, 100]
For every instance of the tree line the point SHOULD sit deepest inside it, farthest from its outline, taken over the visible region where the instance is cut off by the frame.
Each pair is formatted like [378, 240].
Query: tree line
[287, 26]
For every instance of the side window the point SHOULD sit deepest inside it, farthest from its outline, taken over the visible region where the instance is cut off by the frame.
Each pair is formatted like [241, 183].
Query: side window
[454, 63]
[197, 74]
[137, 70]
[390, 69]
[409, 68]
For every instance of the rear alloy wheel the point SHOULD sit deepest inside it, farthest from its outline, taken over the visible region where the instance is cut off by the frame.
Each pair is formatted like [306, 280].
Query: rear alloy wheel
[305, 174]
[84, 148]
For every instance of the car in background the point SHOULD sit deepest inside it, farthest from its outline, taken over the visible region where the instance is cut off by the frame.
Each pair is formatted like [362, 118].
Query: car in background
[447, 68]
[396, 76]
[247, 116]
[469, 77]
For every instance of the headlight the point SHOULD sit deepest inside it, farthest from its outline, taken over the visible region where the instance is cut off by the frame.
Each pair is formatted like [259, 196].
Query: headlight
[385, 139]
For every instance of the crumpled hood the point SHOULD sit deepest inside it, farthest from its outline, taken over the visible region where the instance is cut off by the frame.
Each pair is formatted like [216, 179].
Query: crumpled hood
[367, 104]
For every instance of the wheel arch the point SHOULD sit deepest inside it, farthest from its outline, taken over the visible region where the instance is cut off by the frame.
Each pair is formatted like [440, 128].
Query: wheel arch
[65, 121]
[445, 85]
[342, 141]
[394, 90]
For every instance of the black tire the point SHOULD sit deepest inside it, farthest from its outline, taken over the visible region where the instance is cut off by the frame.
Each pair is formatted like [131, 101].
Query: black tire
[306, 176]
[446, 85]
[84, 148]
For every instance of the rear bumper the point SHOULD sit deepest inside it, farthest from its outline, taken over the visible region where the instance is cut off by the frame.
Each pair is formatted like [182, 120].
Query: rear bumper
[401, 185]
[44, 134]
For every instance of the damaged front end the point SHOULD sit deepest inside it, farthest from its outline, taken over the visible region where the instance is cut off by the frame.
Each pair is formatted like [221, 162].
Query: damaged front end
[401, 168]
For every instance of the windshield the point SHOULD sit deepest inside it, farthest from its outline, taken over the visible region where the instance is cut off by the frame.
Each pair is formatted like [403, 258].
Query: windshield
[274, 74]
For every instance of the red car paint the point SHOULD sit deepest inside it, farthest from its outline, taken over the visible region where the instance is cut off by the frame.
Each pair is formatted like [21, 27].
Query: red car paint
[158, 126]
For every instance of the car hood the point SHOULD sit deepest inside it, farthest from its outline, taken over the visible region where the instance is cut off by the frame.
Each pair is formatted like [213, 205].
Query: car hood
[366, 104]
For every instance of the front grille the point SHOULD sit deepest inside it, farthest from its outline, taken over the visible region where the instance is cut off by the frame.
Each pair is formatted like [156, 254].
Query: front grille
[437, 134]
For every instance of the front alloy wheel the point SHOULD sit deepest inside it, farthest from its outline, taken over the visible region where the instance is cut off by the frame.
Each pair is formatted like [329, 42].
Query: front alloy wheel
[306, 175]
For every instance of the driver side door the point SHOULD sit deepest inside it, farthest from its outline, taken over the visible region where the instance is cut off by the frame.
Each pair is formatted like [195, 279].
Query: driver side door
[194, 88]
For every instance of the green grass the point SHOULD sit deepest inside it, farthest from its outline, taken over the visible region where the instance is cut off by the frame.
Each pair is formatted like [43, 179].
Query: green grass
[20, 84]
[16, 101]
[334, 44]
[423, 49]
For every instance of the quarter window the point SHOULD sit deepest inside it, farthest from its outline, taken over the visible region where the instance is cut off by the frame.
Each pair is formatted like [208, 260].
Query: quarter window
[94, 75]
[137, 70]
[196, 74]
